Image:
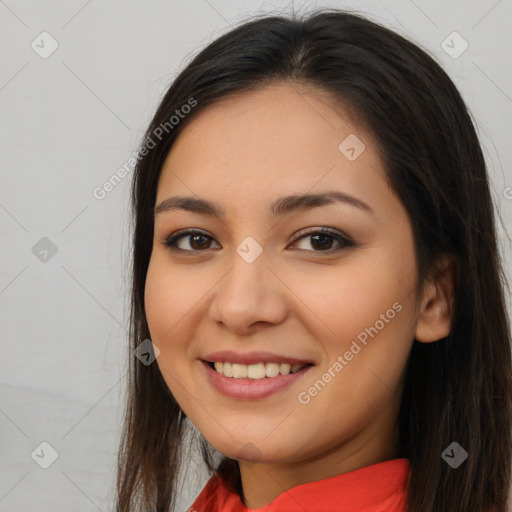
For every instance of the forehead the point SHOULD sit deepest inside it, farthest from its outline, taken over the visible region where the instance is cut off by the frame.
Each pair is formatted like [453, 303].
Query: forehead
[281, 138]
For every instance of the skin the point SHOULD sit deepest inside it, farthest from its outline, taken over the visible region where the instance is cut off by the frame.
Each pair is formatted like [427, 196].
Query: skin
[297, 298]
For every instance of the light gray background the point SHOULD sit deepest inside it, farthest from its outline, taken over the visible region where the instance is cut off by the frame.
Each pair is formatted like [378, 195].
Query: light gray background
[68, 122]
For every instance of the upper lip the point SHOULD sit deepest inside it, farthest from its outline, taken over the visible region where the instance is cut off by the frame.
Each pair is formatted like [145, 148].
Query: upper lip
[252, 358]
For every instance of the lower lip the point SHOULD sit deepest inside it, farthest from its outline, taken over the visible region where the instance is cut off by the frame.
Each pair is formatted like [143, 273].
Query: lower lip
[251, 388]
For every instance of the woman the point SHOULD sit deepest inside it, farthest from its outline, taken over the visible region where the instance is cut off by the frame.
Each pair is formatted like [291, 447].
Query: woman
[316, 265]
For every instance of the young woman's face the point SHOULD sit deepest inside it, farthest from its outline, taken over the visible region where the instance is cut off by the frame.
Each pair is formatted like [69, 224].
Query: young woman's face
[257, 280]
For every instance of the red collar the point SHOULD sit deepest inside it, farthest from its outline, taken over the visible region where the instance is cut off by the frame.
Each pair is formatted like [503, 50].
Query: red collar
[377, 488]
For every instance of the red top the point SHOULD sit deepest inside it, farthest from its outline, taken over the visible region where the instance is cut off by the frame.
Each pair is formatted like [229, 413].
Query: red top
[377, 488]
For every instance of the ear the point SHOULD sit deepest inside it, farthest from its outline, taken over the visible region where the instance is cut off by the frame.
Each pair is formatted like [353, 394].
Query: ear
[437, 302]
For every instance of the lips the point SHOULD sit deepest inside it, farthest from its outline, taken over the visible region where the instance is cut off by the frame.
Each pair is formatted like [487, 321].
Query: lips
[250, 389]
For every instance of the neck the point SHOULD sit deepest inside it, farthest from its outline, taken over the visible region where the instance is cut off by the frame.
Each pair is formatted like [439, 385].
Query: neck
[262, 482]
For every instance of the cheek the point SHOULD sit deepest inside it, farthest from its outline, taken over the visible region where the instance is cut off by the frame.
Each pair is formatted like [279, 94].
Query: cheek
[169, 296]
[364, 314]
[167, 302]
[158, 301]
[341, 302]
[368, 312]
[174, 300]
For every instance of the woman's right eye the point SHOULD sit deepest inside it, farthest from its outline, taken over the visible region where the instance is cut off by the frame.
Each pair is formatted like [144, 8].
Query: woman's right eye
[194, 239]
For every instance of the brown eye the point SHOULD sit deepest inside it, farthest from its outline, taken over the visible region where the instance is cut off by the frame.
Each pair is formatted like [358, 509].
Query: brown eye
[194, 239]
[322, 241]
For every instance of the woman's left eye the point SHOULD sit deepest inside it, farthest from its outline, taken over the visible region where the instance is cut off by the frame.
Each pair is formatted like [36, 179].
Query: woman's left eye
[320, 240]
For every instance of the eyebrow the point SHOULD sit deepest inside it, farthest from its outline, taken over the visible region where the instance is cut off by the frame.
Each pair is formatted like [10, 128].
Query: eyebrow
[279, 208]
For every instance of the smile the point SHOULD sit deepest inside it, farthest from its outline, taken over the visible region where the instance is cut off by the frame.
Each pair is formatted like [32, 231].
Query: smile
[255, 371]
[257, 386]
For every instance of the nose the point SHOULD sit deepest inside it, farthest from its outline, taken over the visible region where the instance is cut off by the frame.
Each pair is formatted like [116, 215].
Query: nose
[249, 296]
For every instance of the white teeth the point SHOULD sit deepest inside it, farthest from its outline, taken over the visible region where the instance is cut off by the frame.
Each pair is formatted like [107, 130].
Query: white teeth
[271, 369]
[285, 368]
[226, 369]
[240, 371]
[255, 371]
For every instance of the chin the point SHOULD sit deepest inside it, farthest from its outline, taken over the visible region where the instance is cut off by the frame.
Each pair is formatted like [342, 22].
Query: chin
[254, 451]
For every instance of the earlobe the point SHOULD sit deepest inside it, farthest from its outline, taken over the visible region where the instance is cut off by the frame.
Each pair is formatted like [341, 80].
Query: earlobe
[437, 303]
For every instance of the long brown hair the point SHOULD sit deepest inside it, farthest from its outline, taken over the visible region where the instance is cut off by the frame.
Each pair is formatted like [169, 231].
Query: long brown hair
[457, 389]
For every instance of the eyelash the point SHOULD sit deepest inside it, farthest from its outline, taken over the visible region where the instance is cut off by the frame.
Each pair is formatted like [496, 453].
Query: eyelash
[343, 239]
